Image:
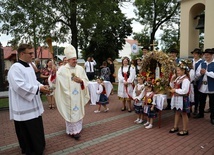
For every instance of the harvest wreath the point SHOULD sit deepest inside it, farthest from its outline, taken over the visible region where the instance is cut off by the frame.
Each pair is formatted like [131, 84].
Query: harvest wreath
[158, 67]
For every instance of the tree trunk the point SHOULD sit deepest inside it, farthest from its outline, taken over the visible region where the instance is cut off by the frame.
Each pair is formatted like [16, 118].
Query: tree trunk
[152, 41]
[74, 27]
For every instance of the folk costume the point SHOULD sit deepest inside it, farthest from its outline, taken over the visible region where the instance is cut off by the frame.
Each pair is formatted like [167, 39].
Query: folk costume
[195, 85]
[138, 95]
[71, 97]
[148, 101]
[26, 107]
[103, 99]
[206, 87]
[125, 74]
[180, 99]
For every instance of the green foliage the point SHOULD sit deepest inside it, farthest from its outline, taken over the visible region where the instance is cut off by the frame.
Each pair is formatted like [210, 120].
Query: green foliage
[170, 39]
[22, 20]
[58, 50]
[140, 53]
[107, 34]
[154, 13]
[143, 38]
[93, 25]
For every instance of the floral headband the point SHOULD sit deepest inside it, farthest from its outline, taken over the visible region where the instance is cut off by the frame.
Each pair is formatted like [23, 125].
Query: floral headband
[138, 58]
[125, 58]
[100, 78]
[140, 76]
[183, 64]
[148, 84]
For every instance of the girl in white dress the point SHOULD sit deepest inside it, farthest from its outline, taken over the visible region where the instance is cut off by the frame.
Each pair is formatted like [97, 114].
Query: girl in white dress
[138, 95]
[126, 76]
[180, 85]
[103, 99]
[149, 105]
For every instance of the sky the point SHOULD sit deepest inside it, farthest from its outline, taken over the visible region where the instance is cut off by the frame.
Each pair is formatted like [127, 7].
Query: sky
[127, 9]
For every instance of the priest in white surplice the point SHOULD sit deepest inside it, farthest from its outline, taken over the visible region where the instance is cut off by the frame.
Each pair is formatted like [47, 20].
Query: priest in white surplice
[71, 93]
[25, 104]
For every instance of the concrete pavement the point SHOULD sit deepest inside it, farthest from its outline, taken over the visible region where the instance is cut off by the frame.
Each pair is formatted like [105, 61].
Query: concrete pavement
[114, 133]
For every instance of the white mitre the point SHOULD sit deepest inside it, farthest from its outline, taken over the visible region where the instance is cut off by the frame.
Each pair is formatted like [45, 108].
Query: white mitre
[70, 52]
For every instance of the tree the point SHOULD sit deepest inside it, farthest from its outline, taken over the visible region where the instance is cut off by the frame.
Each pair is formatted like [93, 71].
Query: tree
[154, 13]
[79, 21]
[143, 37]
[21, 19]
[108, 33]
[170, 39]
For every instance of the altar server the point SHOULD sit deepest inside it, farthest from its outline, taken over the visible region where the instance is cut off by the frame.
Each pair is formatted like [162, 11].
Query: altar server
[25, 104]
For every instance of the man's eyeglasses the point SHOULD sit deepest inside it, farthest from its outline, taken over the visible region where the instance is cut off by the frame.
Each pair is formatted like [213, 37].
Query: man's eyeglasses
[31, 53]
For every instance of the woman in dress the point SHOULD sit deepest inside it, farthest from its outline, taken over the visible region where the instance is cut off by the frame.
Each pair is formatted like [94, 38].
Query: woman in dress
[126, 76]
[49, 73]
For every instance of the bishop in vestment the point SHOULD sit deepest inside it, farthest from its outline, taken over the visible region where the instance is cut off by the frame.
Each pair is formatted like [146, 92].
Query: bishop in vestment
[71, 93]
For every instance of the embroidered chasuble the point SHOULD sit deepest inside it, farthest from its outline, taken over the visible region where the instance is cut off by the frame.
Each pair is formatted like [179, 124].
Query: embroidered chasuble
[70, 96]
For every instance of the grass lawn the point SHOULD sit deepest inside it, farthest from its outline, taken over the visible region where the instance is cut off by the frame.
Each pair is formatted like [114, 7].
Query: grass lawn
[4, 101]
[115, 86]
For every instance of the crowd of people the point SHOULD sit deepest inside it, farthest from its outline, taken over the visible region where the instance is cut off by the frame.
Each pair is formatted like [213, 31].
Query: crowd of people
[66, 88]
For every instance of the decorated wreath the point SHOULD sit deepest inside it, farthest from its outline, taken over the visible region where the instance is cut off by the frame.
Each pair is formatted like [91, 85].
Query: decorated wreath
[166, 65]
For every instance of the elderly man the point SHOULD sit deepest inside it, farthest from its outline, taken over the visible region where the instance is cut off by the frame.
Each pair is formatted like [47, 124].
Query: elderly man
[71, 93]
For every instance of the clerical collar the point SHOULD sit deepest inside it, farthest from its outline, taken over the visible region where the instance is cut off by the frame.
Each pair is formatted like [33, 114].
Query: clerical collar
[23, 63]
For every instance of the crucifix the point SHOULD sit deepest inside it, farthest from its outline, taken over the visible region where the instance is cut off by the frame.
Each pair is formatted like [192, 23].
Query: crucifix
[153, 45]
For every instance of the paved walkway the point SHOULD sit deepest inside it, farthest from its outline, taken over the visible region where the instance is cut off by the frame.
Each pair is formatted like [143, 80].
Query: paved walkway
[114, 133]
[3, 94]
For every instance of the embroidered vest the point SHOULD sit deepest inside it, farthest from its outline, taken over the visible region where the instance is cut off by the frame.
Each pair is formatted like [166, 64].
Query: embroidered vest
[210, 81]
[127, 73]
[178, 85]
[104, 90]
[197, 64]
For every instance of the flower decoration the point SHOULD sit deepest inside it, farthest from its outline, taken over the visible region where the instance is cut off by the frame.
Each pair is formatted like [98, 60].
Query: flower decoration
[183, 64]
[141, 76]
[148, 84]
[167, 66]
[100, 78]
[72, 76]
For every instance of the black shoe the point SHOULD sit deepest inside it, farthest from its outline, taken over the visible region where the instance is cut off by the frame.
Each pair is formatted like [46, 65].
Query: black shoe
[76, 136]
[173, 130]
[183, 133]
[212, 121]
[207, 111]
[198, 116]
[129, 110]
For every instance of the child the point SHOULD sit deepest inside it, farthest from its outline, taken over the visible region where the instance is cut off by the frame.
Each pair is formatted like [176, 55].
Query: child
[180, 98]
[137, 97]
[103, 99]
[192, 78]
[149, 105]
